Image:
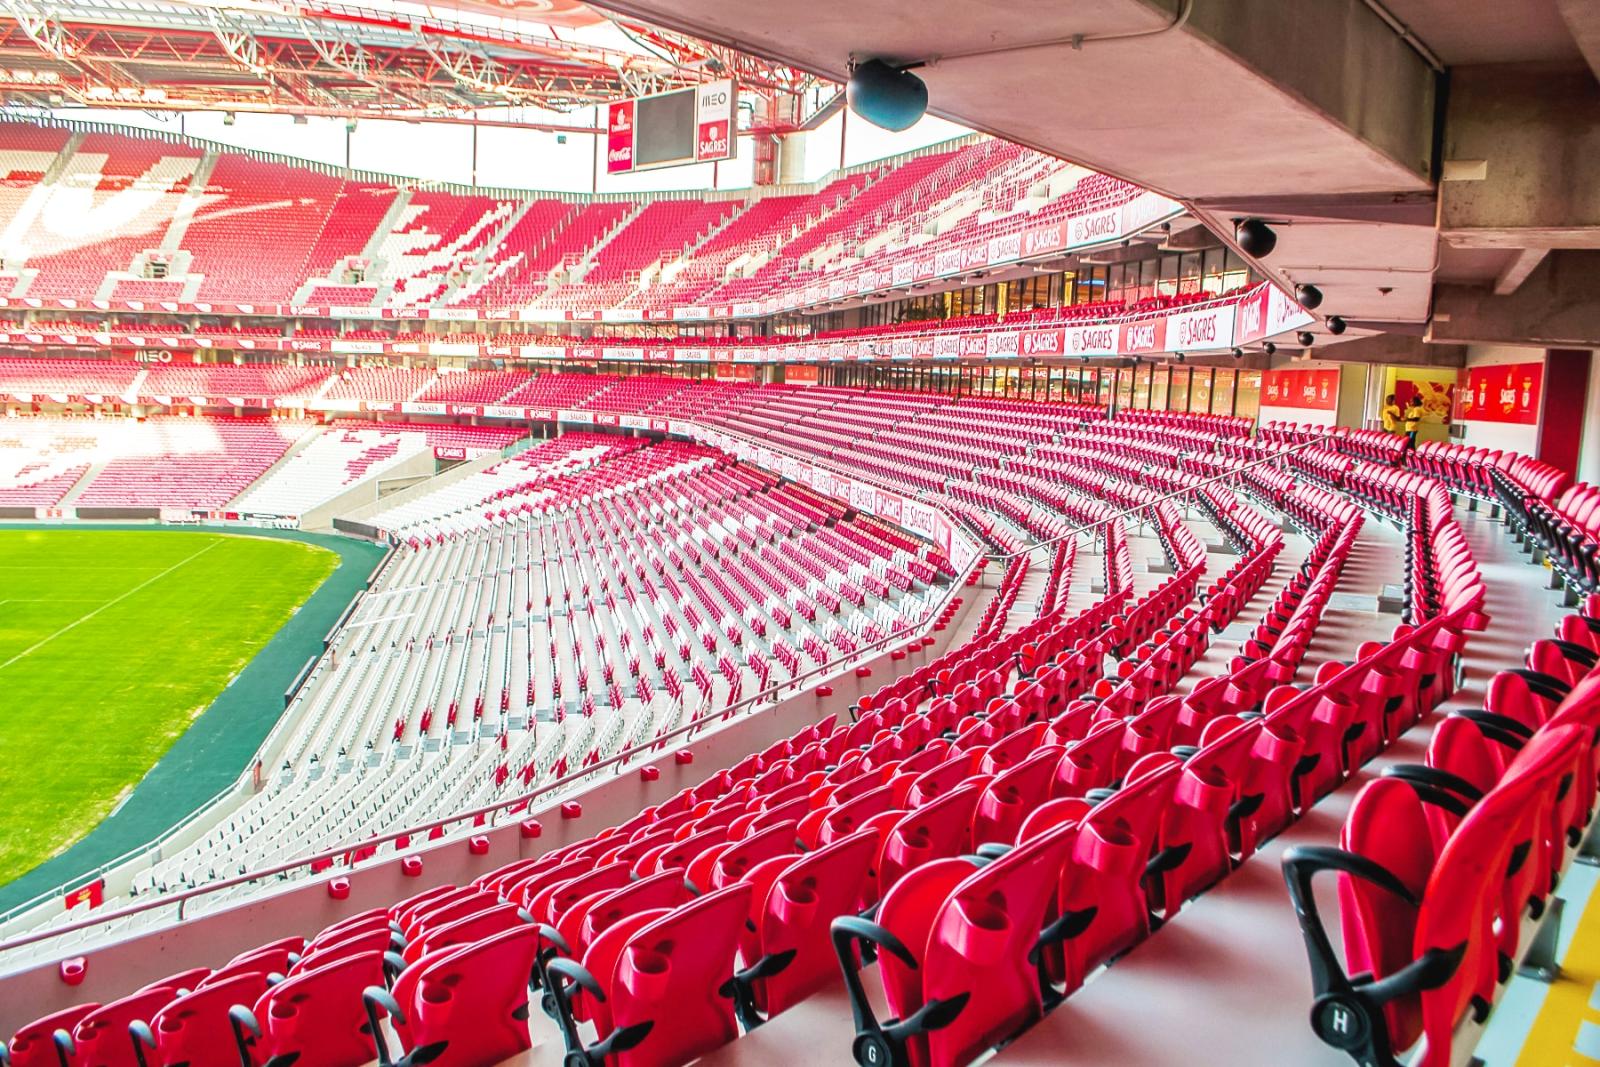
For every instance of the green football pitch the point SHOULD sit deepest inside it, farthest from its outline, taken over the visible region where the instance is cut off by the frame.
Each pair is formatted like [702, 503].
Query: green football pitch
[111, 643]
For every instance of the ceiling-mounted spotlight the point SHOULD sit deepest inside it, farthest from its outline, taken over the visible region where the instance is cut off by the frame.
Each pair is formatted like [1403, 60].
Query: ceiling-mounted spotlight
[1238, 353]
[1270, 349]
[229, 118]
[1337, 325]
[1305, 338]
[1084, 357]
[887, 96]
[1178, 356]
[1308, 296]
[1255, 237]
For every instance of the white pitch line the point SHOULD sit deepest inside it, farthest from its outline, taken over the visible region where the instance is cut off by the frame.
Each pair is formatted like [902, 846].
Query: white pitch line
[85, 618]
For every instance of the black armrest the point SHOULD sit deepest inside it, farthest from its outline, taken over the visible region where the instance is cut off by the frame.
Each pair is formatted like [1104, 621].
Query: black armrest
[378, 999]
[1583, 657]
[66, 1048]
[1302, 863]
[1498, 728]
[741, 987]
[142, 1038]
[1449, 791]
[246, 1032]
[1545, 685]
[877, 1044]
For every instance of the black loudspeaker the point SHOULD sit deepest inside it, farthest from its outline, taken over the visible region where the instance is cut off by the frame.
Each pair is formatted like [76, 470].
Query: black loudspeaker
[886, 96]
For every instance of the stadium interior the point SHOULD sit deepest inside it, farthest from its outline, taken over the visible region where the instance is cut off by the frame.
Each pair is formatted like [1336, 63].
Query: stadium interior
[639, 533]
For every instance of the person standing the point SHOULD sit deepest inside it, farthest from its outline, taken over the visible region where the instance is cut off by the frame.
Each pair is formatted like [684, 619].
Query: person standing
[1413, 418]
[1391, 414]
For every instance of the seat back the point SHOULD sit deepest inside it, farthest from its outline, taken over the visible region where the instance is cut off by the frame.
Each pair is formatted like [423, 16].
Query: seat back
[795, 915]
[33, 1045]
[672, 974]
[316, 1016]
[473, 1000]
[981, 943]
[1387, 824]
[194, 1029]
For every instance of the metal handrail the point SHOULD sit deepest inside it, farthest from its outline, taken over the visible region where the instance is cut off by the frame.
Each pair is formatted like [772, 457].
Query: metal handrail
[520, 802]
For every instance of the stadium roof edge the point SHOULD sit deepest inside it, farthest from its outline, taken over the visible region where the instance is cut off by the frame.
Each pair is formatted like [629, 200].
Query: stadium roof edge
[80, 126]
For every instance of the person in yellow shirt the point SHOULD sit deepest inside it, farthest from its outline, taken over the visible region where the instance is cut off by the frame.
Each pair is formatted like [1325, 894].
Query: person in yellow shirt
[1391, 414]
[1413, 418]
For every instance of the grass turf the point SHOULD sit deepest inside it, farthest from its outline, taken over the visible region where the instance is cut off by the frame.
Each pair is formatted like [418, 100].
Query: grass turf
[111, 643]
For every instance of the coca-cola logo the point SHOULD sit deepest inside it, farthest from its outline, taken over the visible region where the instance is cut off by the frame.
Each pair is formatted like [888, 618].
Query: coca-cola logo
[1094, 227]
[1197, 331]
[1100, 339]
[620, 155]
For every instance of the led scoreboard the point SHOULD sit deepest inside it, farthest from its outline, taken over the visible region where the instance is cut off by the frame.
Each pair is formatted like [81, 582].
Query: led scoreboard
[693, 125]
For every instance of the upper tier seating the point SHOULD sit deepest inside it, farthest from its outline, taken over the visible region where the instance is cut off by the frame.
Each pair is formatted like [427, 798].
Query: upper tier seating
[264, 233]
[252, 382]
[114, 198]
[266, 260]
[379, 384]
[23, 377]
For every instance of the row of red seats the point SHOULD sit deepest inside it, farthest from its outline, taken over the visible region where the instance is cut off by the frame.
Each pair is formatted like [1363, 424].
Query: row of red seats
[1442, 866]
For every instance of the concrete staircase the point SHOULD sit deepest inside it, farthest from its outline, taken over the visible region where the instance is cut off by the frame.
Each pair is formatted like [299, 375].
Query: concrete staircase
[293, 450]
[193, 200]
[82, 483]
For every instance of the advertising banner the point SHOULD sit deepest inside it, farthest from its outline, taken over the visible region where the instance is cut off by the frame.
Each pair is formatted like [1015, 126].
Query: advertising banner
[1147, 336]
[619, 137]
[1211, 328]
[713, 115]
[1312, 389]
[1507, 392]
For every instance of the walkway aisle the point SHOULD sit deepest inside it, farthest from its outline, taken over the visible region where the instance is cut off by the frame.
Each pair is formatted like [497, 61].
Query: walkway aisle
[1224, 646]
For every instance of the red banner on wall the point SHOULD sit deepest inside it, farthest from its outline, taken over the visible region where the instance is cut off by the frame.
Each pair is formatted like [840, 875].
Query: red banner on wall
[1313, 389]
[93, 894]
[1507, 392]
[619, 137]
